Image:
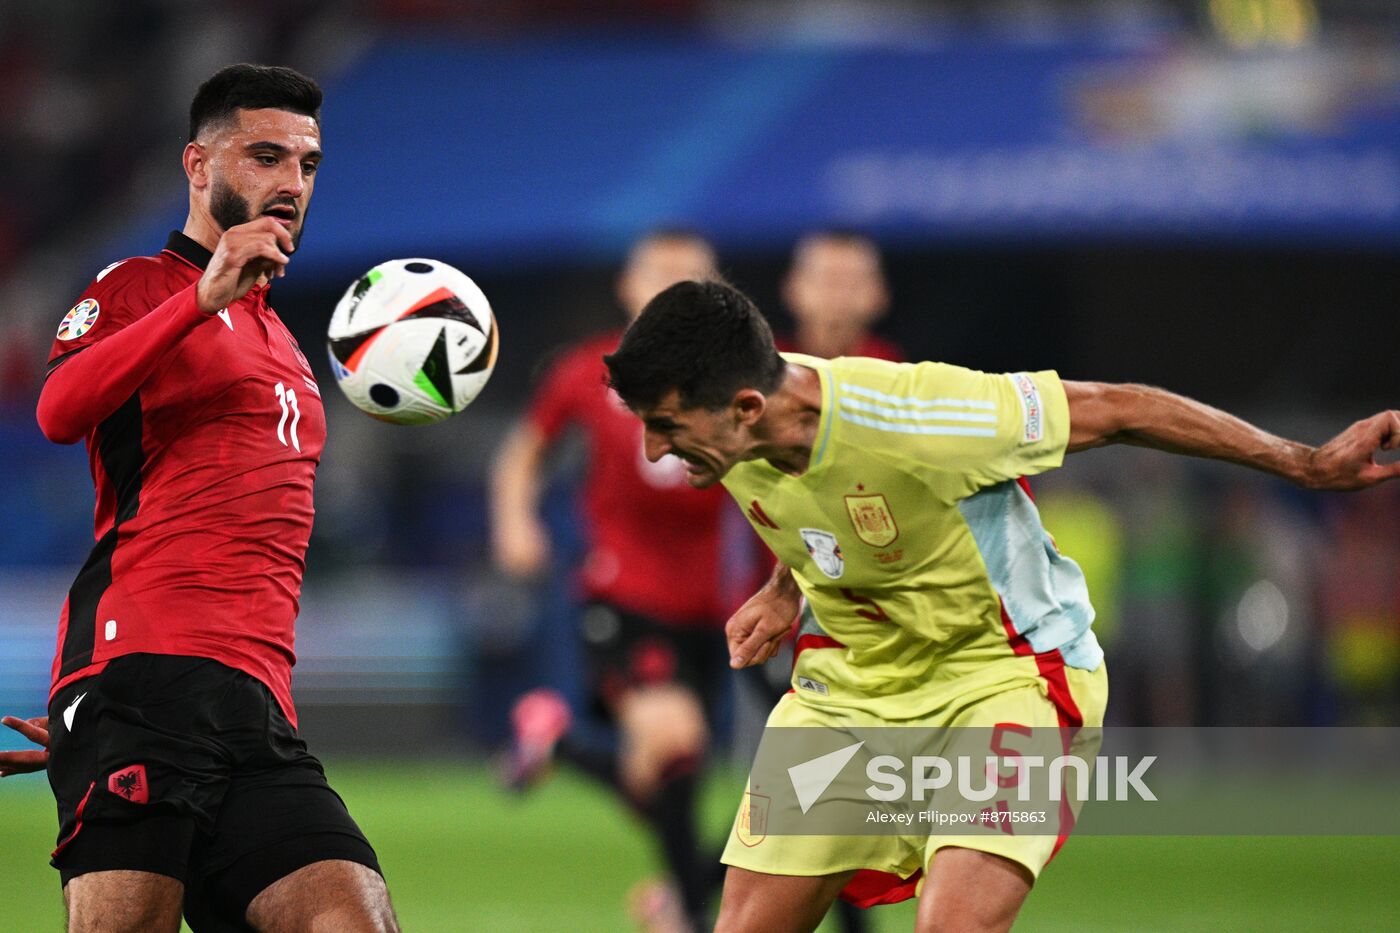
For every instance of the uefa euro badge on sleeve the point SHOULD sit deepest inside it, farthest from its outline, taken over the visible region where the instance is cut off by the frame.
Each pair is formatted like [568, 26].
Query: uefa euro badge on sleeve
[78, 320]
[825, 551]
[1031, 410]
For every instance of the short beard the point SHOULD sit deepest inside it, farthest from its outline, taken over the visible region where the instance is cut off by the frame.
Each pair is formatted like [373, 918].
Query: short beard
[229, 209]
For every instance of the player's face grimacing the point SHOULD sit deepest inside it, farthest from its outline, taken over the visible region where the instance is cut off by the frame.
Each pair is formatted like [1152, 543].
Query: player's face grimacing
[710, 442]
[262, 163]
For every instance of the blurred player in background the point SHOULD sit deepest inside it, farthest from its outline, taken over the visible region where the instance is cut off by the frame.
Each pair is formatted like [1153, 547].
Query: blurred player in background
[651, 578]
[934, 598]
[181, 781]
[836, 293]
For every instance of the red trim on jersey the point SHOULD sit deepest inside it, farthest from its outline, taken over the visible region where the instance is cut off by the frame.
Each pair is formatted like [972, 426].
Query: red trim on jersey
[1051, 666]
[868, 887]
[89, 671]
[1014, 638]
[757, 514]
[78, 826]
[813, 641]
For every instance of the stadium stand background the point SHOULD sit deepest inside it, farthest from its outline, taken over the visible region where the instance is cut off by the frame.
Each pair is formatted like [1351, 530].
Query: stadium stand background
[1200, 195]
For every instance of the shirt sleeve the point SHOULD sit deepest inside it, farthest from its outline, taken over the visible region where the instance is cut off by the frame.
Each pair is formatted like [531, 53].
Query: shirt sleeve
[111, 301]
[988, 427]
[107, 346]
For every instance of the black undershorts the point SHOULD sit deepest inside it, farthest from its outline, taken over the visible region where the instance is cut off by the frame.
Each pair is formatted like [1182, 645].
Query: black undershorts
[188, 768]
[625, 650]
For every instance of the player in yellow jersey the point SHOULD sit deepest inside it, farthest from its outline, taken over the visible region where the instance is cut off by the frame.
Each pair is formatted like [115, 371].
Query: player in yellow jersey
[892, 495]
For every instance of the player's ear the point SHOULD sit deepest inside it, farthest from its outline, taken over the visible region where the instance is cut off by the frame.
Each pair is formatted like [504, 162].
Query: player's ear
[748, 406]
[196, 161]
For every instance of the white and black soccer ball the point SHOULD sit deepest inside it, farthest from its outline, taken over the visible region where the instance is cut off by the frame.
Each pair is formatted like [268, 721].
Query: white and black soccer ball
[412, 341]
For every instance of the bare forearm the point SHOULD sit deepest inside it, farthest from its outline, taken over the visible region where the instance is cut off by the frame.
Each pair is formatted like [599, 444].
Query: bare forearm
[1150, 417]
[515, 477]
[781, 583]
[1100, 414]
[519, 540]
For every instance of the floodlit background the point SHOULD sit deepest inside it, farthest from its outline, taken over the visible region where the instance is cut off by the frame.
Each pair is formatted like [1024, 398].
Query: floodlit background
[1200, 194]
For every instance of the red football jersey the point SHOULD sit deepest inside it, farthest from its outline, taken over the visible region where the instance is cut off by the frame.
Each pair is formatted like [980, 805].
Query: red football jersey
[654, 543]
[871, 345]
[203, 436]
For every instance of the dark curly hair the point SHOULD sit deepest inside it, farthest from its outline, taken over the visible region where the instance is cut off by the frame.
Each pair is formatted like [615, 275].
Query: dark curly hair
[705, 339]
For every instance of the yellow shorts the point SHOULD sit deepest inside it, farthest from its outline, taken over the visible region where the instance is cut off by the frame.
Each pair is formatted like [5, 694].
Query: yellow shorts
[1039, 693]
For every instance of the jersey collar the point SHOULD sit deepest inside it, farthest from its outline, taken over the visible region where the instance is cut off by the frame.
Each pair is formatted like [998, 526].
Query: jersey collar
[188, 250]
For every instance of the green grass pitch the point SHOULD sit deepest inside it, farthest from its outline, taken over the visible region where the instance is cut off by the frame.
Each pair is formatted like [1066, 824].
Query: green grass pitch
[462, 856]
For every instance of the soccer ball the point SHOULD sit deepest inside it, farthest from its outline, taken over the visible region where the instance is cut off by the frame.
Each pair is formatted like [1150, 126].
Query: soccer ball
[412, 341]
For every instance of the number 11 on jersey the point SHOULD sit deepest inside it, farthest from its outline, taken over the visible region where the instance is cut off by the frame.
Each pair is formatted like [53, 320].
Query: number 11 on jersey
[287, 398]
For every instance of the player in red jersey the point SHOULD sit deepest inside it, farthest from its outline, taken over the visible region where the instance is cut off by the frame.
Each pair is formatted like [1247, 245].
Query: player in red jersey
[651, 578]
[836, 292]
[181, 782]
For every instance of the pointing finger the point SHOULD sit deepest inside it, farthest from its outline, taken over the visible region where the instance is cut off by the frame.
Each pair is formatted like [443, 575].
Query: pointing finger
[28, 729]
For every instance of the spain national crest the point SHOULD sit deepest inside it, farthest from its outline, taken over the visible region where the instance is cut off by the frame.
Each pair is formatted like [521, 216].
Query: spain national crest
[872, 519]
[751, 825]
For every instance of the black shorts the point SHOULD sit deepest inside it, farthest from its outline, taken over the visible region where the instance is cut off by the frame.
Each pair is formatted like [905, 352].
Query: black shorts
[184, 767]
[625, 650]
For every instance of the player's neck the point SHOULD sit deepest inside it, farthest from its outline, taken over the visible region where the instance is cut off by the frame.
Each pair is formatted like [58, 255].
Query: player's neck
[201, 228]
[791, 420]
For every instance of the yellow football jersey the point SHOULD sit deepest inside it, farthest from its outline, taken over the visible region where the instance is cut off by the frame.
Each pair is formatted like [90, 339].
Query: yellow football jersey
[921, 557]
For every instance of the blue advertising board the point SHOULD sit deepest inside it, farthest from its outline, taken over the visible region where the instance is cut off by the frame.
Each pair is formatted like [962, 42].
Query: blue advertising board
[567, 148]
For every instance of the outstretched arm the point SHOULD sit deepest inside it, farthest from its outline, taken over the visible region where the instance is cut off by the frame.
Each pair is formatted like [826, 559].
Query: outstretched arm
[1105, 413]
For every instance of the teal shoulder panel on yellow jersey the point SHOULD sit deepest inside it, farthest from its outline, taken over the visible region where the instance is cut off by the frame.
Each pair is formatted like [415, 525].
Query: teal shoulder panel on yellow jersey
[880, 539]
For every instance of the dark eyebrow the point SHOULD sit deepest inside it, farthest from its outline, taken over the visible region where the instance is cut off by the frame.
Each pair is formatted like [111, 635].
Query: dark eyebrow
[280, 149]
